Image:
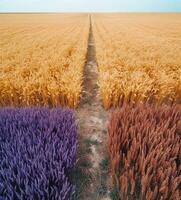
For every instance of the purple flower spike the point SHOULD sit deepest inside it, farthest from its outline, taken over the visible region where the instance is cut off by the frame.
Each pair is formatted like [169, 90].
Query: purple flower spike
[37, 153]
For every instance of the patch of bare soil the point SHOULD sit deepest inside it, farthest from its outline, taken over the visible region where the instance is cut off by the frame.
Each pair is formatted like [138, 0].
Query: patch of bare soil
[92, 167]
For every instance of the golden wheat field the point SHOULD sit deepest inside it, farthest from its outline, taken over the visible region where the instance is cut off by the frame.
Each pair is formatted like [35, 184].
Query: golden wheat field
[42, 58]
[138, 57]
[130, 151]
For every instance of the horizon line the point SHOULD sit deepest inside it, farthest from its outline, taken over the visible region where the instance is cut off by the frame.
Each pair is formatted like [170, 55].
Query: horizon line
[42, 12]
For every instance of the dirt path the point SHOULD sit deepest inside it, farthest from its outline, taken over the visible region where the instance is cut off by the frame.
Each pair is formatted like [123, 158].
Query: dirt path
[92, 171]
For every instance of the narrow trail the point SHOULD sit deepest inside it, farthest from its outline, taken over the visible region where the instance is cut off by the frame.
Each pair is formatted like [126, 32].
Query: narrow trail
[92, 170]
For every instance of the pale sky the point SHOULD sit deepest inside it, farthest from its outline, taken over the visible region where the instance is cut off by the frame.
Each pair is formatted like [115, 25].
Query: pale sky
[90, 5]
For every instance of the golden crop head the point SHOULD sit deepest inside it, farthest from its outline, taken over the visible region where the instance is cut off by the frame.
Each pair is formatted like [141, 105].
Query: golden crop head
[138, 57]
[42, 61]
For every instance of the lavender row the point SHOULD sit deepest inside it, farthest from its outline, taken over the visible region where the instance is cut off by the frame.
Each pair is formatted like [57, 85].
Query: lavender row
[37, 153]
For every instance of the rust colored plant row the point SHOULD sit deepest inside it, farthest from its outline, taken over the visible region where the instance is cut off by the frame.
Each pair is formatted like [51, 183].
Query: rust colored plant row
[145, 151]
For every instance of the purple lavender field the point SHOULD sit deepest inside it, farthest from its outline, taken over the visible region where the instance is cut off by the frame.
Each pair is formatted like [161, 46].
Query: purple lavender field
[37, 153]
